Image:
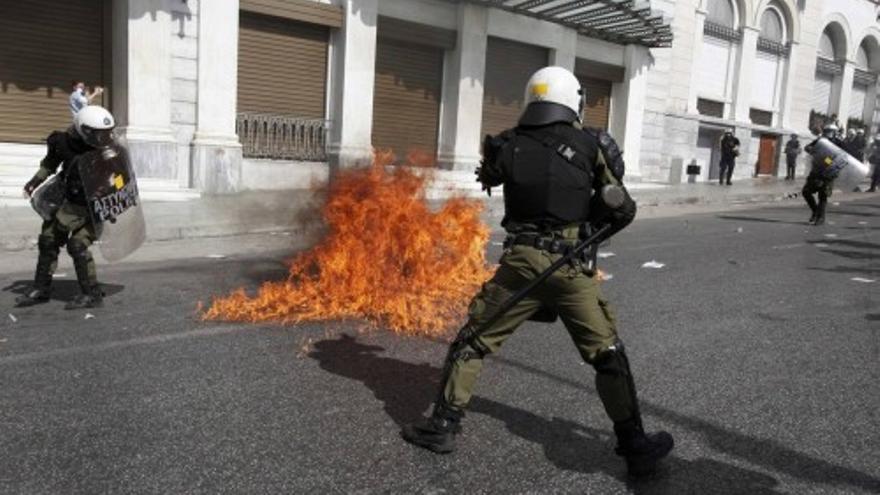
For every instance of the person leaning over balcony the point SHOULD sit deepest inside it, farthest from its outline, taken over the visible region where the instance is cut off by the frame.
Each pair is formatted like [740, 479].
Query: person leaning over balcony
[79, 99]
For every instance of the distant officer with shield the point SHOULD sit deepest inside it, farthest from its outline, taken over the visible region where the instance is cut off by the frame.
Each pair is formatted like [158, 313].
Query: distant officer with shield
[830, 163]
[560, 181]
[87, 198]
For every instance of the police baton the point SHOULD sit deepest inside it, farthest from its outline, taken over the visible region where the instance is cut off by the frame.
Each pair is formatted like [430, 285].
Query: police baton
[522, 293]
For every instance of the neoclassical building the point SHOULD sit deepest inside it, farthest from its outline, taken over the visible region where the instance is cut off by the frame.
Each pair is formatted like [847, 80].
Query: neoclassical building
[235, 95]
[761, 68]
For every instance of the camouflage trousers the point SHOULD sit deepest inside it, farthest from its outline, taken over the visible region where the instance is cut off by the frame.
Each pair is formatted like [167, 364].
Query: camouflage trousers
[71, 226]
[571, 292]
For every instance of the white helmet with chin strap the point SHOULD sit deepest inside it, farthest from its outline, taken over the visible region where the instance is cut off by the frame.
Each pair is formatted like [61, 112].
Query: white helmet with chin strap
[553, 94]
[95, 124]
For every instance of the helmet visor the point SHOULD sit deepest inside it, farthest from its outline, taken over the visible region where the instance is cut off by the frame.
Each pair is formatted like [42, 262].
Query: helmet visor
[97, 138]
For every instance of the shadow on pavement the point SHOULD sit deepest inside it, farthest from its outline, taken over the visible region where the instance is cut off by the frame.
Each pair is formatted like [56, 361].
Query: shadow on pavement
[62, 290]
[407, 390]
[767, 453]
[848, 243]
[846, 269]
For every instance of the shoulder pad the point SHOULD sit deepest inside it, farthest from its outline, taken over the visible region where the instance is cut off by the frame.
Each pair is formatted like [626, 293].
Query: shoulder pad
[613, 155]
[492, 145]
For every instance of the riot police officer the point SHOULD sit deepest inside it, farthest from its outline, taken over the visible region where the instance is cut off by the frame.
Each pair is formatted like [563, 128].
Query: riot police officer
[552, 171]
[817, 183]
[729, 152]
[71, 223]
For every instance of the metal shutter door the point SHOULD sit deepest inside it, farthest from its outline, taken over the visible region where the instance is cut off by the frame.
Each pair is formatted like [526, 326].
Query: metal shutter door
[822, 92]
[406, 98]
[598, 102]
[43, 47]
[857, 101]
[712, 69]
[764, 86]
[282, 66]
[508, 67]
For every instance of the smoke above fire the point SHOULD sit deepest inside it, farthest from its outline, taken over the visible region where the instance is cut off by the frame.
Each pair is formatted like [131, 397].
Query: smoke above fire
[387, 258]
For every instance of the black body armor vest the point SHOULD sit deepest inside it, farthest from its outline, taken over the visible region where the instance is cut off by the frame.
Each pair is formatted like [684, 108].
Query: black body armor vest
[549, 173]
[68, 148]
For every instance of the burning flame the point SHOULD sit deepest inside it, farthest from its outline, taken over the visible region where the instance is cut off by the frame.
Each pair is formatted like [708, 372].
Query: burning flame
[387, 259]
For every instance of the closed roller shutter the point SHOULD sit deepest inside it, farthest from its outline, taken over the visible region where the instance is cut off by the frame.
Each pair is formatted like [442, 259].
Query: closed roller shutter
[857, 101]
[406, 98]
[508, 67]
[712, 74]
[822, 92]
[282, 66]
[44, 46]
[597, 102]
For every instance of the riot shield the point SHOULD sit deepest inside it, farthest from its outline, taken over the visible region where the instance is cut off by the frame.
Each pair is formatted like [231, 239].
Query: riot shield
[114, 205]
[834, 163]
[48, 198]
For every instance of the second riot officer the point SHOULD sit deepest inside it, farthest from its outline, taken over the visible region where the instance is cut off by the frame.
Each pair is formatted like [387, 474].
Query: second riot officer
[553, 172]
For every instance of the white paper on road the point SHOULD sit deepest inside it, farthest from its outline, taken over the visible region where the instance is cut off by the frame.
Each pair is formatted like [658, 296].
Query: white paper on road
[836, 203]
[863, 223]
[607, 276]
[216, 256]
[495, 243]
[831, 236]
[59, 275]
[605, 254]
[820, 245]
[653, 264]
[13, 318]
[863, 280]
[88, 316]
[739, 230]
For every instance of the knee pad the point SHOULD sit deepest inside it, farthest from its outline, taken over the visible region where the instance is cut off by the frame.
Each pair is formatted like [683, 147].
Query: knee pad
[612, 361]
[48, 244]
[78, 249]
[466, 346]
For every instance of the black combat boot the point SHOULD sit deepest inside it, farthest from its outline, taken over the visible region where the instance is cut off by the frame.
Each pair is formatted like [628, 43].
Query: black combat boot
[819, 220]
[94, 298]
[34, 296]
[436, 433]
[642, 451]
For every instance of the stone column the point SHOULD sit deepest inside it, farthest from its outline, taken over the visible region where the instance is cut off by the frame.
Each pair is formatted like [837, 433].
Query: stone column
[462, 116]
[840, 105]
[142, 84]
[742, 96]
[629, 108]
[788, 89]
[352, 77]
[216, 151]
[564, 53]
[699, 25]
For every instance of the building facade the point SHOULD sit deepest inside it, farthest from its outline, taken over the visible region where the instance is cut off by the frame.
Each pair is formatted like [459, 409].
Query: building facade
[234, 95]
[762, 68]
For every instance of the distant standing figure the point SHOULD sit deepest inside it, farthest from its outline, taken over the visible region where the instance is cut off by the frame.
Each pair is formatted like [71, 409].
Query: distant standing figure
[80, 99]
[729, 152]
[874, 160]
[792, 150]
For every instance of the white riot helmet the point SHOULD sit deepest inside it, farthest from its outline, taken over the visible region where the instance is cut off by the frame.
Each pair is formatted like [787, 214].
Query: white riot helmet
[95, 124]
[830, 130]
[553, 94]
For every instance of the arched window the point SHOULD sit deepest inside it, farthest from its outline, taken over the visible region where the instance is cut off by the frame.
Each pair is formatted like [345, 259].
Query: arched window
[772, 27]
[721, 12]
[826, 46]
[862, 58]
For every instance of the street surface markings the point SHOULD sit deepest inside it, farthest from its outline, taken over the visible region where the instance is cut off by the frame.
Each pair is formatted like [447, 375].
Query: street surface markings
[863, 280]
[121, 344]
[653, 264]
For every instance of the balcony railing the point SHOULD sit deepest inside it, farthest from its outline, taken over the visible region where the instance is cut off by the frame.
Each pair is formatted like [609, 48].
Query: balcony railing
[282, 137]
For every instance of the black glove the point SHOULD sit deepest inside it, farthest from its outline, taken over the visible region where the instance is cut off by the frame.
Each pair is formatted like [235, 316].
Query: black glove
[32, 185]
[478, 172]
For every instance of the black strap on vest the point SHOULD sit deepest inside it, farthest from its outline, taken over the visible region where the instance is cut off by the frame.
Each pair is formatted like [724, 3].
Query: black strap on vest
[571, 152]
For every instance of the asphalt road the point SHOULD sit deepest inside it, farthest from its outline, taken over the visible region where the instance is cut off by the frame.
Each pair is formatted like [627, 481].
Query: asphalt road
[753, 346]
